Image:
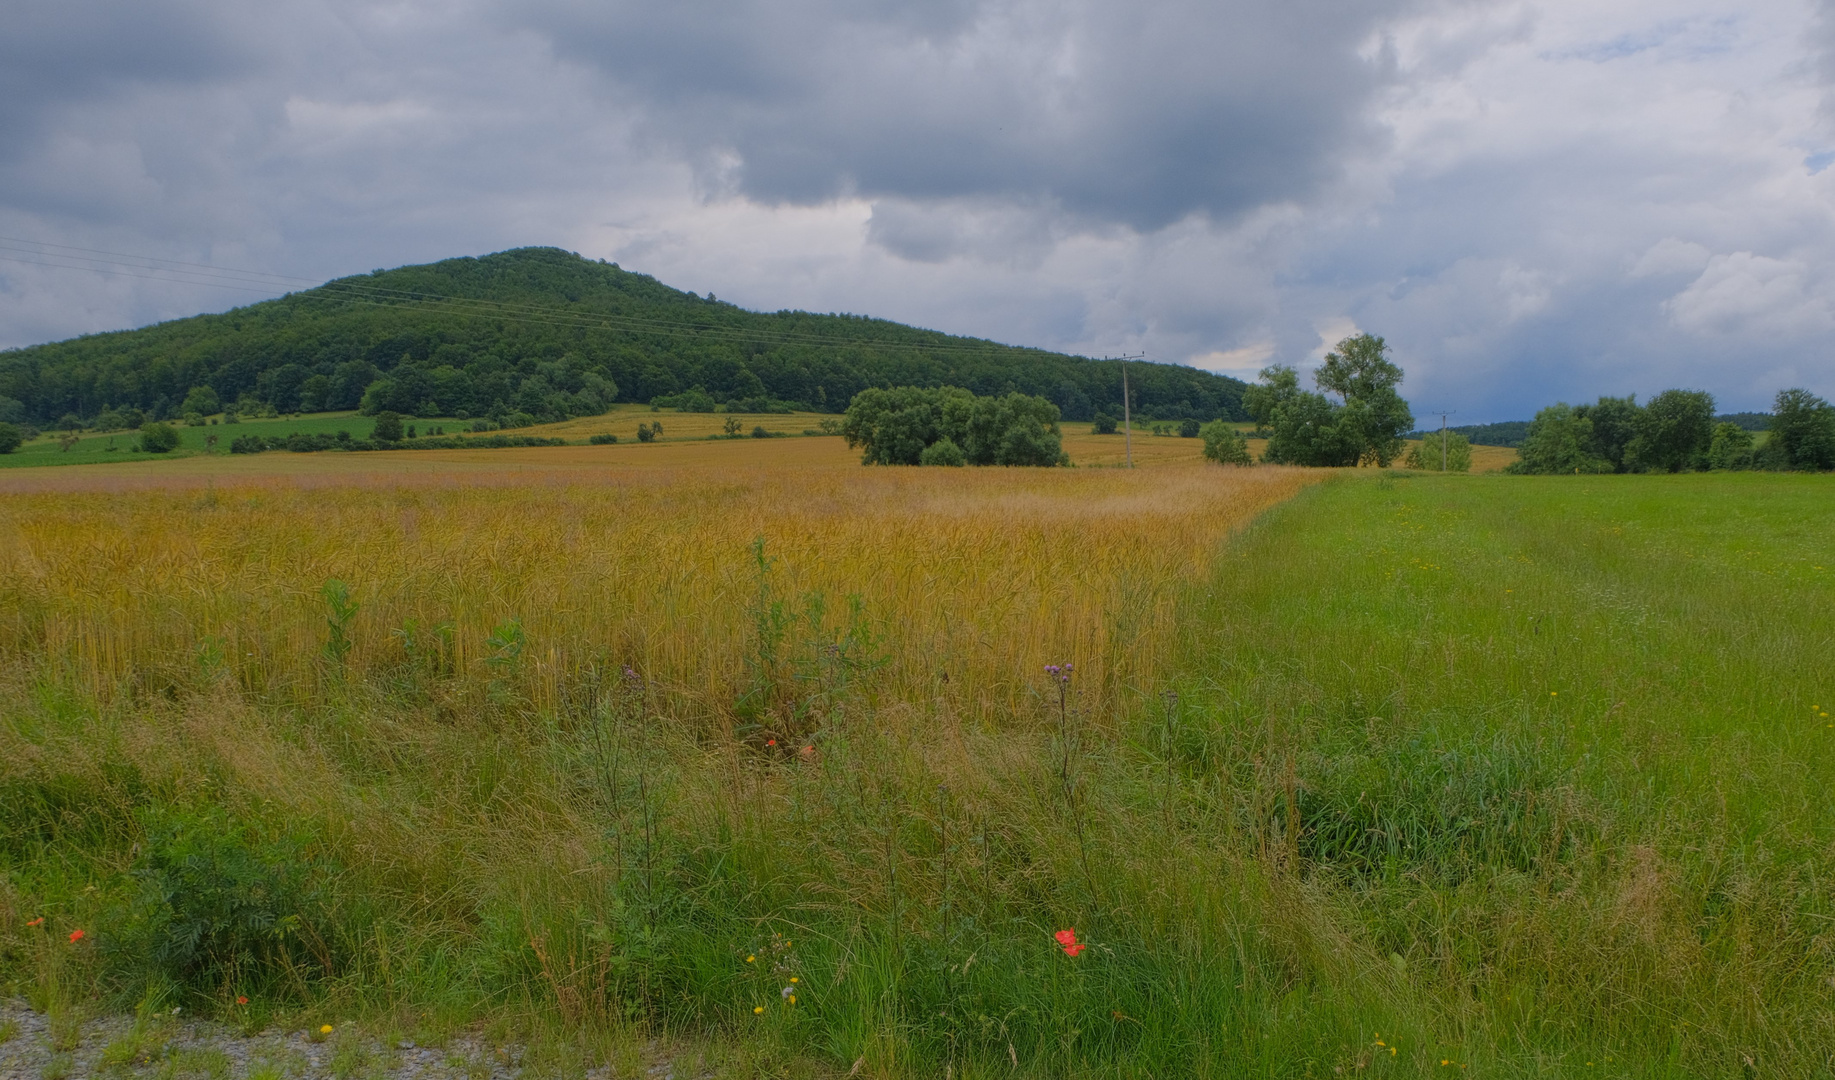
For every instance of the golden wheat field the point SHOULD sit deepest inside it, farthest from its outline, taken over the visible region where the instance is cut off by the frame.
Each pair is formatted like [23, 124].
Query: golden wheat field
[965, 582]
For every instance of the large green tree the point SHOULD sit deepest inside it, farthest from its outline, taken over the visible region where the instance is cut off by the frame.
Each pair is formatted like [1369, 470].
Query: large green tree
[1802, 431]
[1674, 432]
[1615, 423]
[1302, 425]
[1375, 416]
[1308, 428]
[1559, 441]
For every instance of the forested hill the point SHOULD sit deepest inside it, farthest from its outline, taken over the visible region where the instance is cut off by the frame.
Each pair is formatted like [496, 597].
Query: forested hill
[545, 333]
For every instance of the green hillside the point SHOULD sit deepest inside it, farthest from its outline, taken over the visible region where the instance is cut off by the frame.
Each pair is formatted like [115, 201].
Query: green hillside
[548, 334]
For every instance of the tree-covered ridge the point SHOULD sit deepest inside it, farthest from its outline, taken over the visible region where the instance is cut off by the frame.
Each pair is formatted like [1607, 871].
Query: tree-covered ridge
[546, 333]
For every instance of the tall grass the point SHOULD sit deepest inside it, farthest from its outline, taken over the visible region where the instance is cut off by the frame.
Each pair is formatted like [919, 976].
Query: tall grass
[1520, 775]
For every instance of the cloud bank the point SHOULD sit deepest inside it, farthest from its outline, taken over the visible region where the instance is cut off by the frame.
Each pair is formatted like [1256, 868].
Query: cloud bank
[1528, 200]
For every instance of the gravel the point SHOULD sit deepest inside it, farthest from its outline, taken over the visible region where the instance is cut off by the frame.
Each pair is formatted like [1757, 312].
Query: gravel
[171, 1047]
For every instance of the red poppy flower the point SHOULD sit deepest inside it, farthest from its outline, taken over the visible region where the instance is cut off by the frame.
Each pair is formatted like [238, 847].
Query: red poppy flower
[1068, 939]
[40, 921]
[240, 1000]
[771, 742]
[75, 936]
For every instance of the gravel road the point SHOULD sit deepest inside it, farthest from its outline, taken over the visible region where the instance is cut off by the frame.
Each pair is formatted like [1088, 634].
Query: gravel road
[173, 1048]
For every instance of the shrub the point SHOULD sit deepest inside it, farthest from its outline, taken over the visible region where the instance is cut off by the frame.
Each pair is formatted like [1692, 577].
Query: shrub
[943, 452]
[645, 433]
[603, 440]
[1429, 454]
[223, 905]
[695, 400]
[1103, 424]
[158, 438]
[247, 444]
[10, 438]
[759, 432]
[1224, 444]
[388, 427]
[1188, 428]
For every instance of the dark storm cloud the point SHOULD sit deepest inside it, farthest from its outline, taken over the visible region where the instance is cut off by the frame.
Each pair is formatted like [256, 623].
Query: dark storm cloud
[54, 55]
[1119, 113]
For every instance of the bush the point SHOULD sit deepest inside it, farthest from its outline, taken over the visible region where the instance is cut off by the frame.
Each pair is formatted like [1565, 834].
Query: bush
[943, 452]
[645, 433]
[247, 444]
[759, 432]
[1103, 424]
[10, 438]
[695, 400]
[603, 440]
[1224, 444]
[222, 905]
[1188, 428]
[388, 427]
[1428, 454]
[158, 438]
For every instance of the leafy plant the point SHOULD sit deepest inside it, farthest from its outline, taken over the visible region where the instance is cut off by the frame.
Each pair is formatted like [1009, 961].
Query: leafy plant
[342, 611]
[224, 905]
[158, 438]
[506, 644]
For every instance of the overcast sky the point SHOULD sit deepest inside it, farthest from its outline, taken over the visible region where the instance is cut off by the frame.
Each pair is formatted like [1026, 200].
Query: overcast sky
[1530, 201]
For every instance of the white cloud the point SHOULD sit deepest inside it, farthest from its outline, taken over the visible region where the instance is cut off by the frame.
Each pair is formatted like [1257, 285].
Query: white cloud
[1754, 296]
[1672, 256]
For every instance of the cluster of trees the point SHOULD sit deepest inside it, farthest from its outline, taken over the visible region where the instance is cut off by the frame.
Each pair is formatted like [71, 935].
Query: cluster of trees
[948, 425]
[1364, 426]
[1676, 431]
[545, 334]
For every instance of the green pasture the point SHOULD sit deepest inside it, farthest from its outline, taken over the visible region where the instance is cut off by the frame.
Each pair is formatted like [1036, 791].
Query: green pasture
[92, 447]
[1455, 776]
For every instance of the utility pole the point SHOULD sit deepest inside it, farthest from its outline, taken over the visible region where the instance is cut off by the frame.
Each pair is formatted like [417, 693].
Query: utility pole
[1127, 410]
[1444, 413]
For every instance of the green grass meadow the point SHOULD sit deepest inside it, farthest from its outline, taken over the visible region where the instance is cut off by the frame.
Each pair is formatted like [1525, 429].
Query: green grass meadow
[1452, 776]
[121, 445]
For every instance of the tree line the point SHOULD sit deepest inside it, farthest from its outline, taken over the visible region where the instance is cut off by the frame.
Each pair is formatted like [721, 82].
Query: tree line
[539, 334]
[1676, 431]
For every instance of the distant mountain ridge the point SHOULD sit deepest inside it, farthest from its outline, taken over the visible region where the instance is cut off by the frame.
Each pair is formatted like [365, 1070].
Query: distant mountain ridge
[545, 333]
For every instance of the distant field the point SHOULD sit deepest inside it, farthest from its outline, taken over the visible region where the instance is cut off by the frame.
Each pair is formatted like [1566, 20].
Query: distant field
[1084, 447]
[92, 449]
